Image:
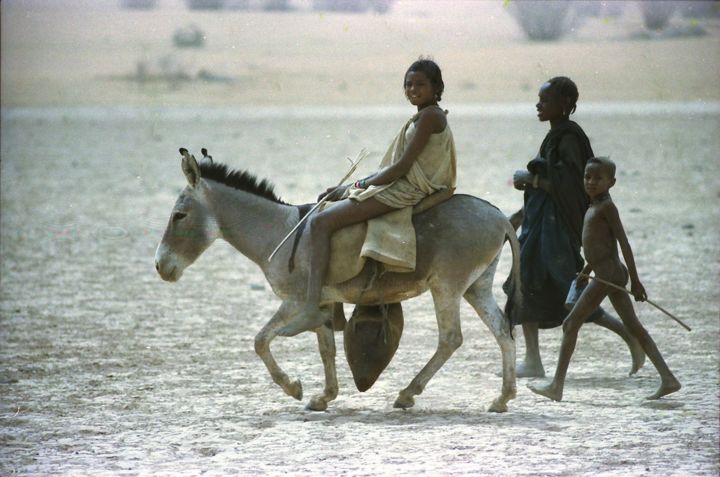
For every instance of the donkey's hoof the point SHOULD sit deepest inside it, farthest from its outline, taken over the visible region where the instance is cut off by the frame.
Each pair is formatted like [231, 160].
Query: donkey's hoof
[294, 389]
[317, 403]
[498, 406]
[404, 402]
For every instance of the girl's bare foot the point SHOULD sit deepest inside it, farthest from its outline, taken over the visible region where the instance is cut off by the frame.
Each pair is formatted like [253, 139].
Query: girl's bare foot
[668, 386]
[548, 390]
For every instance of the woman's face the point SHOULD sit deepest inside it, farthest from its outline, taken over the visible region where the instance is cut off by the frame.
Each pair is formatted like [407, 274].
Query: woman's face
[551, 106]
[419, 90]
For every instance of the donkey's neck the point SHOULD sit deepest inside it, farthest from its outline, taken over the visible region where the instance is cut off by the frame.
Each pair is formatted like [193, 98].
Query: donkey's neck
[252, 224]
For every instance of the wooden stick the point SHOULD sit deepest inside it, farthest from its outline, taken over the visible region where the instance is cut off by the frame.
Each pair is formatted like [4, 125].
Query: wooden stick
[362, 155]
[605, 282]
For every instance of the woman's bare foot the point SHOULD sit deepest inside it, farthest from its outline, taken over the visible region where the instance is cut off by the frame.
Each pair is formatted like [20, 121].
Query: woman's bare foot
[668, 386]
[548, 390]
[529, 370]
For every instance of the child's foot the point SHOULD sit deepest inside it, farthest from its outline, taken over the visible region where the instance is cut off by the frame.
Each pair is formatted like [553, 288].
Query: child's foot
[638, 357]
[668, 386]
[548, 390]
[529, 370]
[308, 318]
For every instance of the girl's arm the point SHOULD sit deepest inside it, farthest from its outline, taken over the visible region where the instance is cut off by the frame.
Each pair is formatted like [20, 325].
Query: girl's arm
[430, 122]
[616, 226]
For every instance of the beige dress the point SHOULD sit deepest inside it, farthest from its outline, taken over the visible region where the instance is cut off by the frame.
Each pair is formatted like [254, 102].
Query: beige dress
[390, 238]
[434, 170]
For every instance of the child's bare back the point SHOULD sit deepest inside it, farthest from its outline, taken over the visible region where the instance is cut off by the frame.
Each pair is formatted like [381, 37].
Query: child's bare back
[600, 243]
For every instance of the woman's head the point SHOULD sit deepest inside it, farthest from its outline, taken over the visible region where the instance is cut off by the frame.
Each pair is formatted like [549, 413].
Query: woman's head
[432, 73]
[557, 99]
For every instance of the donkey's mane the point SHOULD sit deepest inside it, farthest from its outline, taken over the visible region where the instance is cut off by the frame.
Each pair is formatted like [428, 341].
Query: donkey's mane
[238, 179]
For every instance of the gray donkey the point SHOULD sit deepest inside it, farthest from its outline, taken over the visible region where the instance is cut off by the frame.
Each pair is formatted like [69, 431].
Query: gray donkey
[458, 247]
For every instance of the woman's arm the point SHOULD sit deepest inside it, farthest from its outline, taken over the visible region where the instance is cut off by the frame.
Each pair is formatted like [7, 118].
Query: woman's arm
[430, 122]
[616, 226]
[524, 179]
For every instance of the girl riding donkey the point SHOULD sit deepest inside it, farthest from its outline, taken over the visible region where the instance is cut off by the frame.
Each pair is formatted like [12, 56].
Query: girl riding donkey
[219, 203]
[420, 161]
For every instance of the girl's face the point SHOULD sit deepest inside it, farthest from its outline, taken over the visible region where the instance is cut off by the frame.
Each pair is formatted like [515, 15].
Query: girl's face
[551, 106]
[597, 180]
[419, 90]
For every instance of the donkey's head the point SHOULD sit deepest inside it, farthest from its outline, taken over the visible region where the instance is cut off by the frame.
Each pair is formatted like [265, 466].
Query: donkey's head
[192, 227]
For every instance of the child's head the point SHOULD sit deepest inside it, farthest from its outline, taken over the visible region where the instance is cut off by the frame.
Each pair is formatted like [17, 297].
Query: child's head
[557, 99]
[599, 176]
[431, 71]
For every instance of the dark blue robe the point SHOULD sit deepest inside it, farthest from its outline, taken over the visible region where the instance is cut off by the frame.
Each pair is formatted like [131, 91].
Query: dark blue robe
[551, 234]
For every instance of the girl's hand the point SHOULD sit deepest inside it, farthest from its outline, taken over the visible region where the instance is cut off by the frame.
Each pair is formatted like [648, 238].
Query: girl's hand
[638, 291]
[582, 281]
[332, 193]
[521, 179]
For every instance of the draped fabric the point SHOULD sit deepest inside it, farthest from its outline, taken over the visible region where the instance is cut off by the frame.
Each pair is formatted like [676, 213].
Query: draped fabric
[551, 234]
[433, 170]
[390, 238]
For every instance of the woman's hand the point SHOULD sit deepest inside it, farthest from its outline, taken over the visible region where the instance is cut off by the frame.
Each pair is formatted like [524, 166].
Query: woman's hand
[332, 193]
[521, 179]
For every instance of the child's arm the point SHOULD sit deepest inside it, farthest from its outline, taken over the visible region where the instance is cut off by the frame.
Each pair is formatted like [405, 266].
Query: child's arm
[584, 274]
[613, 217]
[429, 123]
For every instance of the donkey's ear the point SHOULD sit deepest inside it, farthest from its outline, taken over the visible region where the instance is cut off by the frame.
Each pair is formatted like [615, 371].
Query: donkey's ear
[190, 168]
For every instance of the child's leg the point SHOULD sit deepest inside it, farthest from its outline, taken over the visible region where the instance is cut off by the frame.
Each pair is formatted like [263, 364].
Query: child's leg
[322, 226]
[588, 302]
[624, 307]
[615, 325]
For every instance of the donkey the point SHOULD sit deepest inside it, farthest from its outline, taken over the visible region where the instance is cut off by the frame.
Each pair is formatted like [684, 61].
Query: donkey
[458, 248]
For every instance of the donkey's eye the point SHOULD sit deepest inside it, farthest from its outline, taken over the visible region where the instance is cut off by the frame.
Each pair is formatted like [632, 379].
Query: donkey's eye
[178, 216]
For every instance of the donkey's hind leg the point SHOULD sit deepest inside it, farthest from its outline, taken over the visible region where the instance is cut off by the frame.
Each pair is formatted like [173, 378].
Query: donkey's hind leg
[480, 296]
[447, 312]
[262, 348]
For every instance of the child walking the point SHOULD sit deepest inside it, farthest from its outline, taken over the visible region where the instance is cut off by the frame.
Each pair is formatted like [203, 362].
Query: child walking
[420, 161]
[602, 231]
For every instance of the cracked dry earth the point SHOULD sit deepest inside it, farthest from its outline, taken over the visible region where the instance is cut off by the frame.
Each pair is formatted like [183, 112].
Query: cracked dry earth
[107, 370]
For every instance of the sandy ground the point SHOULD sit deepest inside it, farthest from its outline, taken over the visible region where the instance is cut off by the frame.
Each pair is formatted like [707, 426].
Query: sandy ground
[107, 370]
[67, 55]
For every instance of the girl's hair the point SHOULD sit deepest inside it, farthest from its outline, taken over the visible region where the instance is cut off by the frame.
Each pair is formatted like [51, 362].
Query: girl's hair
[430, 69]
[566, 88]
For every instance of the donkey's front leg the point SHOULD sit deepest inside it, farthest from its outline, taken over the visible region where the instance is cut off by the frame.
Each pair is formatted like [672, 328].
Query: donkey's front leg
[326, 345]
[262, 348]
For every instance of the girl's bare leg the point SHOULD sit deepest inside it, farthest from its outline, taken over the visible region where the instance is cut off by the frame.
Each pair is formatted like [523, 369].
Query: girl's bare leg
[322, 226]
[588, 302]
[624, 307]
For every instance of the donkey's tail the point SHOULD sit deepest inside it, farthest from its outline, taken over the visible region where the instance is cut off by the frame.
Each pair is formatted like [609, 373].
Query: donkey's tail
[512, 286]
